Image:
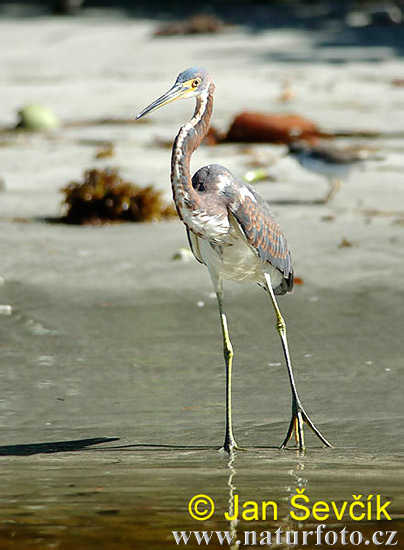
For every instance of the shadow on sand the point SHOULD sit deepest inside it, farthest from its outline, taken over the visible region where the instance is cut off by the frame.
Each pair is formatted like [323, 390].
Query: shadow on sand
[53, 447]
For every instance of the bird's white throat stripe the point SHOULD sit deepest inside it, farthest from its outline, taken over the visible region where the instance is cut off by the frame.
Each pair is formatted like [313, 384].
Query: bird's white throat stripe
[187, 127]
[197, 220]
[198, 114]
[180, 192]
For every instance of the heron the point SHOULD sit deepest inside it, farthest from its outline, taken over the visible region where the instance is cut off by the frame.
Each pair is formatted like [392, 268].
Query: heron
[334, 163]
[232, 231]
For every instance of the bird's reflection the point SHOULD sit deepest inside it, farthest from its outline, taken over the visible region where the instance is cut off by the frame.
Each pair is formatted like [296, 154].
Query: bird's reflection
[285, 523]
[232, 488]
[300, 482]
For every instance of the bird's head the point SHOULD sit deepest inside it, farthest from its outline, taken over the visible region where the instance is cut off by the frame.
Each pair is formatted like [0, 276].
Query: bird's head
[190, 83]
[297, 147]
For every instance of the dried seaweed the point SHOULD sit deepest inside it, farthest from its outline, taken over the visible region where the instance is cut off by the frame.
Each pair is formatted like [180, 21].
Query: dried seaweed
[105, 197]
[345, 243]
[105, 151]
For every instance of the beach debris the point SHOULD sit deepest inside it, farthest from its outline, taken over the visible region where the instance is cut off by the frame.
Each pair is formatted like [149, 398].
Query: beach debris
[5, 309]
[201, 23]
[106, 151]
[37, 117]
[373, 212]
[398, 82]
[287, 93]
[183, 255]
[345, 243]
[257, 175]
[162, 143]
[103, 196]
[271, 128]
[37, 329]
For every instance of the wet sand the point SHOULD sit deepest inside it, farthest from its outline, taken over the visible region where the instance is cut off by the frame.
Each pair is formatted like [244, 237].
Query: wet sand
[110, 338]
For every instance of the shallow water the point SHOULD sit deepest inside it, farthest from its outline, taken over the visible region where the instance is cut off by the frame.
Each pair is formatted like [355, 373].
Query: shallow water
[135, 497]
[112, 411]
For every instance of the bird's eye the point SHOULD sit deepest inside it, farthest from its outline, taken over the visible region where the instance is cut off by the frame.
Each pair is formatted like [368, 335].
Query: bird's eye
[195, 83]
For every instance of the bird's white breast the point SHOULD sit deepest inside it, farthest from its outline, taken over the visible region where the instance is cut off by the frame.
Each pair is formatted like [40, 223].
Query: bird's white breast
[237, 261]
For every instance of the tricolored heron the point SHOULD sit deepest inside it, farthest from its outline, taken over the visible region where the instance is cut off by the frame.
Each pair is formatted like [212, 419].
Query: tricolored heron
[231, 230]
[333, 163]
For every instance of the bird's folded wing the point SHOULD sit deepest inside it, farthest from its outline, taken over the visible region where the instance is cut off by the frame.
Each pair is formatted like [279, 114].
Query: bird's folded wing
[262, 232]
[193, 243]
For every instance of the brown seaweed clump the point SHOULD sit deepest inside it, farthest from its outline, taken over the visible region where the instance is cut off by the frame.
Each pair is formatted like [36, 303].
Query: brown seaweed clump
[105, 197]
[201, 23]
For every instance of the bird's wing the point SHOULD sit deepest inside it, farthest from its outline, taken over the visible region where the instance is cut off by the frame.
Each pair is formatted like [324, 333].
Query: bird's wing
[193, 243]
[261, 230]
[337, 156]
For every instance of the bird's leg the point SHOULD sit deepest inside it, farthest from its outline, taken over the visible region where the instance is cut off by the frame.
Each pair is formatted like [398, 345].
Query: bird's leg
[229, 441]
[299, 415]
[335, 186]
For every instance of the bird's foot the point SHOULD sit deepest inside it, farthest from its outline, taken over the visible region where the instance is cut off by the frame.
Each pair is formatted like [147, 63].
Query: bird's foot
[230, 445]
[299, 417]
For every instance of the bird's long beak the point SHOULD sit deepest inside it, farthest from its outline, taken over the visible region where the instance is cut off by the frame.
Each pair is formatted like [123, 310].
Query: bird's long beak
[178, 91]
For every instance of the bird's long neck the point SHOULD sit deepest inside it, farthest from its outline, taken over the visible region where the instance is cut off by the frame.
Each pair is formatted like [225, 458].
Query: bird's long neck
[187, 141]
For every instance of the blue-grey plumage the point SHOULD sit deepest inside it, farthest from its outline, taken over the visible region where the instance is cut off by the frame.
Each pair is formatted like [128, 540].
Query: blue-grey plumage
[231, 230]
[255, 243]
